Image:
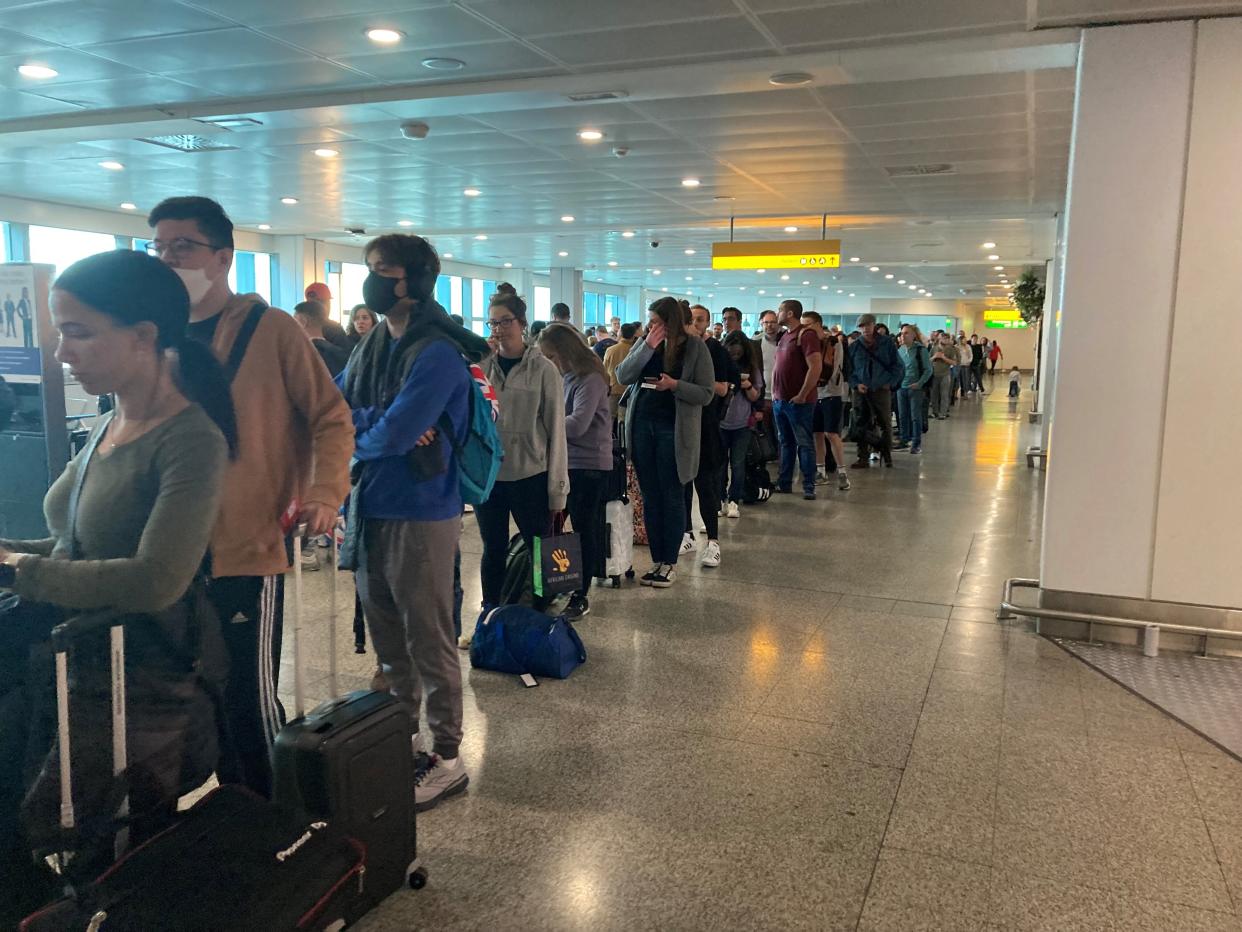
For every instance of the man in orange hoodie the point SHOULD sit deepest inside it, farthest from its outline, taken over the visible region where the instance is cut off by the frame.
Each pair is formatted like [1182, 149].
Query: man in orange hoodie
[295, 439]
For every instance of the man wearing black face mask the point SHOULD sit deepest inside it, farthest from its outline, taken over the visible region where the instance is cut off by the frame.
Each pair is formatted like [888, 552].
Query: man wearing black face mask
[405, 512]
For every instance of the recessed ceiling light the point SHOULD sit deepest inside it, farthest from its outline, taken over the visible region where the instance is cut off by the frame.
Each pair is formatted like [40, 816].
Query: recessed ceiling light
[444, 64]
[922, 291]
[128, 206]
[874, 268]
[472, 192]
[784, 278]
[385, 36]
[901, 281]
[327, 153]
[568, 218]
[889, 276]
[710, 295]
[791, 229]
[664, 290]
[911, 287]
[761, 271]
[689, 279]
[762, 291]
[265, 226]
[288, 200]
[112, 166]
[508, 265]
[39, 72]
[741, 288]
[851, 294]
[405, 223]
[612, 264]
[806, 283]
[689, 252]
[840, 291]
[988, 246]
[562, 254]
[791, 79]
[998, 268]
[855, 259]
[690, 182]
[823, 287]
[628, 234]
[993, 258]
[780, 294]
[655, 271]
[590, 135]
[481, 237]
[448, 255]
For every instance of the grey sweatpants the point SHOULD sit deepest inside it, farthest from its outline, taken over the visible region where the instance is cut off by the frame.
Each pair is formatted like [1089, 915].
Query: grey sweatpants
[941, 393]
[405, 578]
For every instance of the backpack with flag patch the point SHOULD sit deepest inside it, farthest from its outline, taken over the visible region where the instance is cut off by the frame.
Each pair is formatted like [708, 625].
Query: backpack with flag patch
[478, 451]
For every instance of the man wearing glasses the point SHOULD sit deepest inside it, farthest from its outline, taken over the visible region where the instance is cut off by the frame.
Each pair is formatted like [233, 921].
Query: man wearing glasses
[295, 440]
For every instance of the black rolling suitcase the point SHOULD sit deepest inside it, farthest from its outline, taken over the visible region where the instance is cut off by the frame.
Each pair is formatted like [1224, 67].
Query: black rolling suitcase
[232, 861]
[349, 761]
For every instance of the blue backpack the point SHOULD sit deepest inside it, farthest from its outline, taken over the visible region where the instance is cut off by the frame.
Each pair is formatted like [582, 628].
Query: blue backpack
[479, 452]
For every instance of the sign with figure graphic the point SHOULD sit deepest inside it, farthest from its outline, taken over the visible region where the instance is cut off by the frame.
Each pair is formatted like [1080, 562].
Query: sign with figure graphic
[558, 564]
[19, 322]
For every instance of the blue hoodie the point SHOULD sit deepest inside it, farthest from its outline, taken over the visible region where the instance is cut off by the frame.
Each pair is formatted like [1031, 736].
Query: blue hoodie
[438, 381]
[877, 367]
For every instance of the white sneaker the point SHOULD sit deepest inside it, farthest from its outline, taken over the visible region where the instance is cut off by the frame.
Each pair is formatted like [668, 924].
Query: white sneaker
[463, 642]
[440, 779]
[711, 554]
[687, 543]
[734, 511]
[309, 560]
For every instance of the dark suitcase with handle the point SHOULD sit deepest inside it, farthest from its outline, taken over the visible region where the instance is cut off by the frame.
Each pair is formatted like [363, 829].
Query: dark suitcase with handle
[350, 762]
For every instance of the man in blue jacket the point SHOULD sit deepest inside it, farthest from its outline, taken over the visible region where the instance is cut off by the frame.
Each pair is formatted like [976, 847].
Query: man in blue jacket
[876, 371]
[405, 511]
[916, 373]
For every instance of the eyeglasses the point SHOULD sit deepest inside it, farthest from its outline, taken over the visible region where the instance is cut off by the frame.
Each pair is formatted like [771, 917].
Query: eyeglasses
[499, 324]
[179, 247]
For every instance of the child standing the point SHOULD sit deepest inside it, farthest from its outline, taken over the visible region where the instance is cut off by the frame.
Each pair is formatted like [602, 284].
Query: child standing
[1014, 377]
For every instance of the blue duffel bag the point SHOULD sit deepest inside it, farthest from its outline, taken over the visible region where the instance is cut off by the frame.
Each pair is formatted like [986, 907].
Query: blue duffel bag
[516, 639]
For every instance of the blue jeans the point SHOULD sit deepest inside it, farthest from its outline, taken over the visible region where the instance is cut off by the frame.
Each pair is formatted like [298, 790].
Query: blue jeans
[793, 421]
[654, 450]
[910, 406]
[736, 444]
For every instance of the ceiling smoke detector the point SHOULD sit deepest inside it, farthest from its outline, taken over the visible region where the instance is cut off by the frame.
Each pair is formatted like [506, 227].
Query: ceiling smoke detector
[791, 79]
[920, 171]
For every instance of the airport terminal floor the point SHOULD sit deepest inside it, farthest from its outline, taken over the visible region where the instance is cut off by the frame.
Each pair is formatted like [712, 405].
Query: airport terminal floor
[829, 731]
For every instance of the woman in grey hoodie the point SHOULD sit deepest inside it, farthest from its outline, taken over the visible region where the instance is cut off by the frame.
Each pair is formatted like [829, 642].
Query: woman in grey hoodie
[675, 379]
[588, 435]
[533, 483]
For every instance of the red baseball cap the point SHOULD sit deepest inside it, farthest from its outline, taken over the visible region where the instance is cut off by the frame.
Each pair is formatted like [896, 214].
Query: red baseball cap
[318, 291]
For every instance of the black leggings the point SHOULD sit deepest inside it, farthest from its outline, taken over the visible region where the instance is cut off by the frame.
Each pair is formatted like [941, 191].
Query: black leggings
[587, 489]
[525, 499]
[707, 484]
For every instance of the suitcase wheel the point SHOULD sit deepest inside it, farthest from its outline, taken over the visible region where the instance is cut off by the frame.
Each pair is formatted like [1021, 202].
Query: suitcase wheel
[615, 581]
[629, 574]
[418, 878]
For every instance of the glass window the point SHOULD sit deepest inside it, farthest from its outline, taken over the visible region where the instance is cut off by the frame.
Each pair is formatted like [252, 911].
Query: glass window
[443, 296]
[252, 272]
[455, 303]
[62, 248]
[4, 242]
[349, 287]
[543, 303]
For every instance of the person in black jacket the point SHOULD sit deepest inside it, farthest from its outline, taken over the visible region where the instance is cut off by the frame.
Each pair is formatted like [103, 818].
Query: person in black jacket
[312, 316]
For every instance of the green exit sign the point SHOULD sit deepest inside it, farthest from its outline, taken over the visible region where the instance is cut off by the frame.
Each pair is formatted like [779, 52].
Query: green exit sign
[1005, 324]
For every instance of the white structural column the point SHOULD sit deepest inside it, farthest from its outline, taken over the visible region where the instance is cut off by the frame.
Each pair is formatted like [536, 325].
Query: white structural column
[1145, 439]
[565, 285]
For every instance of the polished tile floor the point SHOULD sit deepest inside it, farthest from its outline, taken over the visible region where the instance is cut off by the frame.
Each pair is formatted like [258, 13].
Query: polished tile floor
[829, 731]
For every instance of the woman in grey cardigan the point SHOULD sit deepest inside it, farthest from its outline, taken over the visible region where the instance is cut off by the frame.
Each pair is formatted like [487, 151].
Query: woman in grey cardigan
[674, 377]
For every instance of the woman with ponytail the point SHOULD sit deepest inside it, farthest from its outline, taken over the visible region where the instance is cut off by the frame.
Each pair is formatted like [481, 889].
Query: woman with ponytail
[147, 487]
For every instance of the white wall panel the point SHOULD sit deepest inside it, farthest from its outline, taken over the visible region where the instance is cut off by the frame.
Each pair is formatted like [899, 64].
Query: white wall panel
[1125, 200]
[1199, 527]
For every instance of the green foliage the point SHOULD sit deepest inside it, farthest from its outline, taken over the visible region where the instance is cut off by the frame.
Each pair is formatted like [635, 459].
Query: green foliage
[1028, 297]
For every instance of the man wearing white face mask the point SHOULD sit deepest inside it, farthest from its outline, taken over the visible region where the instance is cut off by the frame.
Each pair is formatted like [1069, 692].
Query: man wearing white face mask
[295, 439]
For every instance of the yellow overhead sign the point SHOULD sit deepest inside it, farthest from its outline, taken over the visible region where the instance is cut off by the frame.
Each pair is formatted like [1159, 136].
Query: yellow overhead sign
[1002, 313]
[794, 254]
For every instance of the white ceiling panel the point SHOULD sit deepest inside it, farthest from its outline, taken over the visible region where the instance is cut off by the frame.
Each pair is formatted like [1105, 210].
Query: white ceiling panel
[570, 119]
[220, 48]
[253, 80]
[718, 38]
[930, 90]
[14, 104]
[267, 12]
[14, 43]
[122, 92]
[88, 22]
[550, 17]
[941, 128]
[487, 59]
[73, 67]
[924, 111]
[1060, 12]
[788, 100]
[424, 29]
[846, 24]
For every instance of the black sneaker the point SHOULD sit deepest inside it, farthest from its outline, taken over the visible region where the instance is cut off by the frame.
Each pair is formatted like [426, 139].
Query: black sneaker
[665, 578]
[860, 464]
[578, 607]
[779, 491]
[646, 578]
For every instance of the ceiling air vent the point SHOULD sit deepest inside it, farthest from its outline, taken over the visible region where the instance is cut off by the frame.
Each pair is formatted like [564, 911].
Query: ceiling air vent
[598, 95]
[920, 171]
[187, 142]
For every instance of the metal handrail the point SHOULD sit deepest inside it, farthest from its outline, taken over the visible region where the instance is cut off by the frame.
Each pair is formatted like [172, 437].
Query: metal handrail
[1009, 609]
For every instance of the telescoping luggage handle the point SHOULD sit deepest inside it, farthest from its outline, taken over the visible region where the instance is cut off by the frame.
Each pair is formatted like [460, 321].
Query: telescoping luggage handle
[299, 662]
[62, 635]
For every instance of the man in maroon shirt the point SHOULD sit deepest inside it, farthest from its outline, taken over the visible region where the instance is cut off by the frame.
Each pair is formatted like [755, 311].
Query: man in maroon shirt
[799, 359]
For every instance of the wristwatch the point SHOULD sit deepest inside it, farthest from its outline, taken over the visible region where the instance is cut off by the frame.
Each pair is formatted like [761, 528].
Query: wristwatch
[8, 570]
